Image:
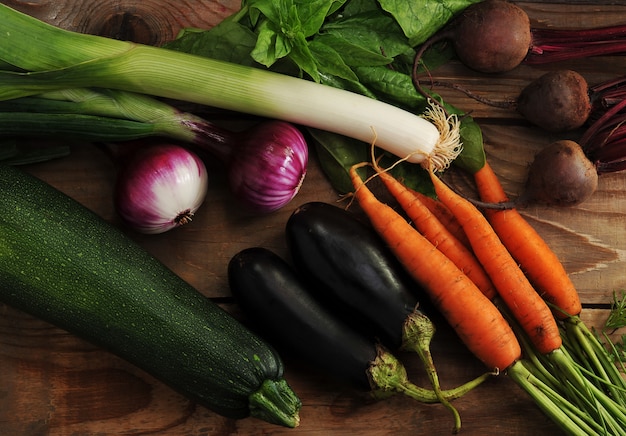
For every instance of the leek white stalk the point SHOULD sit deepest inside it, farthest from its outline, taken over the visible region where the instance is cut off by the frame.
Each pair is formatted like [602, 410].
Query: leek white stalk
[57, 59]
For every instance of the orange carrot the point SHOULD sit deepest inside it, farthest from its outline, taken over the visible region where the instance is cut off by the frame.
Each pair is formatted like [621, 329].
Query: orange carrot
[443, 214]
[433, 230]
[477, 321]
[528, 308]
[536, 258]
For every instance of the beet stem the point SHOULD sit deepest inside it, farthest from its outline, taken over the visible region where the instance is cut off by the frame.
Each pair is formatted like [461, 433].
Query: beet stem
[442, 35]
[554, 45]
[586, 140]
[504, 104]
[580, 35]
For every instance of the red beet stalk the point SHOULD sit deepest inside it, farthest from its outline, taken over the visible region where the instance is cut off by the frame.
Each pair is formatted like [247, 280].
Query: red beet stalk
[604, 142]
[554, 45]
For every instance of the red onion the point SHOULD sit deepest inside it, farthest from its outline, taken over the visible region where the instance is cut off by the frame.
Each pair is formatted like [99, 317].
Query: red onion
[266, 164]
[160, 187]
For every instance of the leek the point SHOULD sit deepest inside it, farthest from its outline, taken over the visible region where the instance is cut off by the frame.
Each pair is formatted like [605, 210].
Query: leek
[153, 116]
[55, 59]
[74, 126]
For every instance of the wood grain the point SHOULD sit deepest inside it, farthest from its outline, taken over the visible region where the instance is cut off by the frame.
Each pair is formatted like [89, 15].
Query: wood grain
[146, 21]
[53, 383]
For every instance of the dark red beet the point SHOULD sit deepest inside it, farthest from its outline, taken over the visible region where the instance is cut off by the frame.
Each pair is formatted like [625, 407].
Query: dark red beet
[492, 36]
[557, 101]
[561, 175]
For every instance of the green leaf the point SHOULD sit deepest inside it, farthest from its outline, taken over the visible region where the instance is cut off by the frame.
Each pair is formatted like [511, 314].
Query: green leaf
[228, 41]
[348, 85]
[372, 32]
[472, 158]
[392, 87]
[355, 7]
[351, 52]
[420, 19]
[283, 28]
[301, 55]
[337, 154]
[313, 13]
[271, 44]
[412, 176]
[330, 61]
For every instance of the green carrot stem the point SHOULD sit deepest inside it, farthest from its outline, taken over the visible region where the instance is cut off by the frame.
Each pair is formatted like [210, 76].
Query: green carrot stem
[559, 409]
[597, 359]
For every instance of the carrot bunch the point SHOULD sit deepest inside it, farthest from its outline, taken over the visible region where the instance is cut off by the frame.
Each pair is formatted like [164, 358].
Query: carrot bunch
[504, 292]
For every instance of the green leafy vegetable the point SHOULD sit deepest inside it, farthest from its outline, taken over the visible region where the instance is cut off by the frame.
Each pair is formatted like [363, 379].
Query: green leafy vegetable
[420, 19]
[283, 29]
[336, 154]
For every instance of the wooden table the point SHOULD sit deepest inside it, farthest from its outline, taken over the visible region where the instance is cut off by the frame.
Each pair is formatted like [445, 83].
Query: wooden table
[52, 383]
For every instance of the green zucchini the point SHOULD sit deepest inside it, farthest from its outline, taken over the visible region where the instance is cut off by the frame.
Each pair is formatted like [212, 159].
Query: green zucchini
[62, 263]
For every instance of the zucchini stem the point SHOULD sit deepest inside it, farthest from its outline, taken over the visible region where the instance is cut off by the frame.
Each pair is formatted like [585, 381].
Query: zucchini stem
[276, 403]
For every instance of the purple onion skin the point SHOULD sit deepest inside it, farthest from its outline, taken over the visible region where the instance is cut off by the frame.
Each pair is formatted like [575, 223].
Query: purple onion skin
[268, 166]
[159, 188]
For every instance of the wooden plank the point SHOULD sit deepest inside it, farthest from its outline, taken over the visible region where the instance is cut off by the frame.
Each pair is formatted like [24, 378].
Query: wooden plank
[53, 383]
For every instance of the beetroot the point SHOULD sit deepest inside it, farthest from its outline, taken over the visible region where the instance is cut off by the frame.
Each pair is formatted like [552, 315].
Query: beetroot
[492, 36]
[566, 173]
[557, 101]
[561, 175]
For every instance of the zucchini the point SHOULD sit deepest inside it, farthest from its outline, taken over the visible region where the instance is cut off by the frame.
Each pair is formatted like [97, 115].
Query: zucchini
[277, 301]
[64, 264]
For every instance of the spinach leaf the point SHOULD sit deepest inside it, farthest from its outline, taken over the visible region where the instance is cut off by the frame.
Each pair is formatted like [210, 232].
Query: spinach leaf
[371, 31]
[336, 154]
[472, 158]
[420, 19]
[283, 29]
[228, 41]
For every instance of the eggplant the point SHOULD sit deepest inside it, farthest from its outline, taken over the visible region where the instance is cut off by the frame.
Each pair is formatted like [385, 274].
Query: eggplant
[350, 266]
[274, 298]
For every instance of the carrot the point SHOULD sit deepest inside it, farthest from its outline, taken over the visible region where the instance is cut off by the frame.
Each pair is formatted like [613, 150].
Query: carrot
[433, 230]
[536, 258]
[443, 214]
[477, 321]
[528, 308]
